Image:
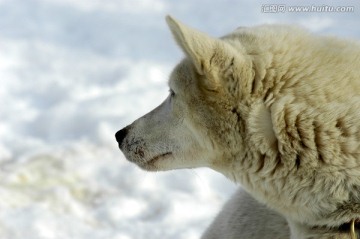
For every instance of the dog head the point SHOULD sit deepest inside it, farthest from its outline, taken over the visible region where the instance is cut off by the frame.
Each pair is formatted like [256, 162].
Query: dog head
[199, 123]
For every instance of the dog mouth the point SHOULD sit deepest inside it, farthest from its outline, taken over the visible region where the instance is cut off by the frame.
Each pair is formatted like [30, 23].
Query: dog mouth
[150, 164]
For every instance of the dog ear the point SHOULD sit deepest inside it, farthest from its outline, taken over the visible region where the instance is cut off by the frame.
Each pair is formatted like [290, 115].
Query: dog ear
[200, 47]
[212, 57]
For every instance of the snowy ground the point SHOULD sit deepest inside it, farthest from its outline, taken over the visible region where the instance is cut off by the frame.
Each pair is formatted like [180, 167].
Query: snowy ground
[73, 72]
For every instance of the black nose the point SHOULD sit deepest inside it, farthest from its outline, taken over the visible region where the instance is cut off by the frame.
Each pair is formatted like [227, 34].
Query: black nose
[121, 134]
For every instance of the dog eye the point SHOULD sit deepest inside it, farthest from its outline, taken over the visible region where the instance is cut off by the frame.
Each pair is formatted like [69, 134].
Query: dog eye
[172, 93]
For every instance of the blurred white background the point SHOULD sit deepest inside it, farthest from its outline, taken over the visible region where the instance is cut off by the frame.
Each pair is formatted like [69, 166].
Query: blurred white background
[72, 73]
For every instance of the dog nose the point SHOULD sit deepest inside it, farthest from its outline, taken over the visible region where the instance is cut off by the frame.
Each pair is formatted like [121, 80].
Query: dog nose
[121, 134]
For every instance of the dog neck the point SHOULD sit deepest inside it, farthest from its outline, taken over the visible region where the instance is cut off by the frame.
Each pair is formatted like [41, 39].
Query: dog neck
[349, 230]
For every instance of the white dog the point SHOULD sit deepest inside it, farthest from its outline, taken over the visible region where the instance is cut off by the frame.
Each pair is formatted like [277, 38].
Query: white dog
[274, 108]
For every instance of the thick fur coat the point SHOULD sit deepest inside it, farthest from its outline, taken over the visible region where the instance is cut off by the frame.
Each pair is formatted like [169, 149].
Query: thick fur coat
[274, 108]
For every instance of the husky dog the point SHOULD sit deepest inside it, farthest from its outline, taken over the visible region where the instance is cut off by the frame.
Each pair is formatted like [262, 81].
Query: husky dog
[274, 108]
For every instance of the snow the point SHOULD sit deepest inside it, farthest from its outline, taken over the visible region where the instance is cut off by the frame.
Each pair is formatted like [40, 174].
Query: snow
[72, 73]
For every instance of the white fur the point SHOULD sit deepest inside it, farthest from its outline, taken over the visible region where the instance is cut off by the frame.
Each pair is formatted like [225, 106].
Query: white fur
[274, 108]
[243, 217]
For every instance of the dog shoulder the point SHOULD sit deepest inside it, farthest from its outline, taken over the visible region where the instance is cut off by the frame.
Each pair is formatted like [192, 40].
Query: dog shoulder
[243, 217]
